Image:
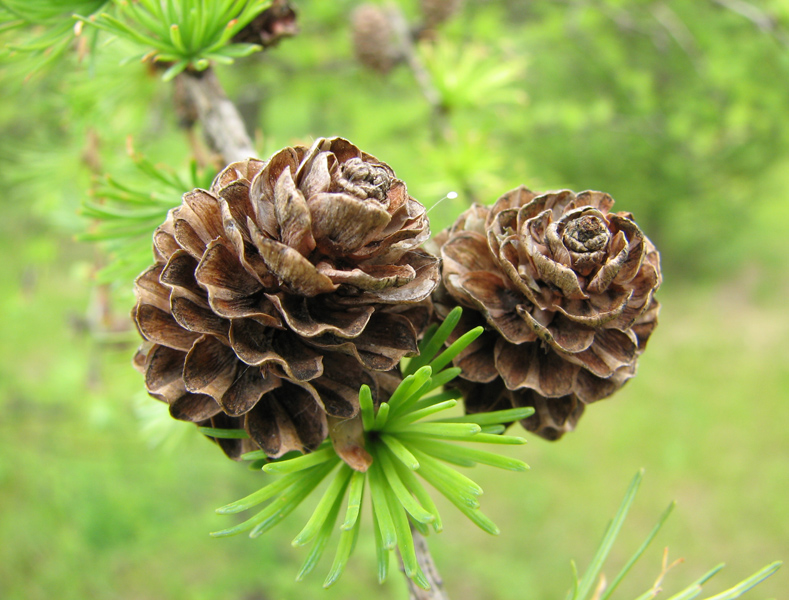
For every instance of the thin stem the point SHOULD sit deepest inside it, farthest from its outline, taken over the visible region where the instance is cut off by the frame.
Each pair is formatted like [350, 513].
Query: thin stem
[761, 19]
[222, 124]
[425, 560]
[407, 50]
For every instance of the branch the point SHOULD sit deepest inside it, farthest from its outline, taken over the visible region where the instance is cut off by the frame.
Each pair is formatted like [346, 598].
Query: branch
[425, 560]
[222, 124]
[763, 20]
[407, 51]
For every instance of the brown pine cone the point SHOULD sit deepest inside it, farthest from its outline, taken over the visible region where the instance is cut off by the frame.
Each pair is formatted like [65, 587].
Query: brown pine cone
[436, 12]
[564, 288]
[275, 295]
[275, 23]
[375, 42]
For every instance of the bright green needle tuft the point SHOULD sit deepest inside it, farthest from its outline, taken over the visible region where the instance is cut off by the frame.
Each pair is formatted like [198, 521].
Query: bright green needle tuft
[335, 491]
[355, 494]
[406, 448]
[302, 462]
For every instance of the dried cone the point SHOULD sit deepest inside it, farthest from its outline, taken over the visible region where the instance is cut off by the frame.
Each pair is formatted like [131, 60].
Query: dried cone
[436, 12]
[375, 41]
[283, 289]
[565, 290]
[275, 23]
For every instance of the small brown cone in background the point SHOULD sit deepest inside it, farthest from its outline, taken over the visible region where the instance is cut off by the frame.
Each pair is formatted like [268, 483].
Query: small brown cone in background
[280, 291]
[375, 41]
[564, 288]
[275, 23]
[436, 12]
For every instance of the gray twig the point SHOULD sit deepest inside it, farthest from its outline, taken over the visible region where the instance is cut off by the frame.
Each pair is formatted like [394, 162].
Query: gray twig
[222, 124]
[763, 20]
[407, 51]
[425, 560]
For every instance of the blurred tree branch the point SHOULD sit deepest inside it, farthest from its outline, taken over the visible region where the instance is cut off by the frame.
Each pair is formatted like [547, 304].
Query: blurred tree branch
[222, 123]
[763, 20]
[428, 566]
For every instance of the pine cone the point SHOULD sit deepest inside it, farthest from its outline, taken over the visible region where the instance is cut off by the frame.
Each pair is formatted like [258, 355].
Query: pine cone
[275, 23]
[375, 42]
[565, 290]
[436, 12]
[275, 295]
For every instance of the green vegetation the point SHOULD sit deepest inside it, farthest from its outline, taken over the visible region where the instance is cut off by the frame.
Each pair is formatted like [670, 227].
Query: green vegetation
[675, 108]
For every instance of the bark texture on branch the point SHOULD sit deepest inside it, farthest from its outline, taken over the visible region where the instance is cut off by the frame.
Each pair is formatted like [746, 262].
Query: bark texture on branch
[425, 560]
[222, 124]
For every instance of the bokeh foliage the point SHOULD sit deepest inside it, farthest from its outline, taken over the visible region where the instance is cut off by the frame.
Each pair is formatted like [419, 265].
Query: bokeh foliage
[676, 108]
[672, 107]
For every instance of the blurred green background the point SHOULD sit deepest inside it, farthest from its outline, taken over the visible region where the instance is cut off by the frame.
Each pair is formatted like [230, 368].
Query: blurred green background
[678, 109]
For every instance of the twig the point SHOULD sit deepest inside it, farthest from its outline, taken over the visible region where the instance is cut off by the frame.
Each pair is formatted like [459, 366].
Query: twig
[407, 50]
[763, 20]
[665, 568]
[425, 560]
[222, 124]
[676, 28]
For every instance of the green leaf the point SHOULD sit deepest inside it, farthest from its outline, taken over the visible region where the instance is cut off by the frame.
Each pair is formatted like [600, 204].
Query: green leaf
[694, 589]
[420, 527]
[399, 489]
[460, 501]
[439, 430]
[174, 32]
[257, 465]
[223, 433]
[335, 490]
[183, 32]
[290, 498]
[431, 344]
[633, 559]
[493, 418]
[749, 583]
[301, 462]
[345, 547]
[320, 541]
[590, 576]
[422, 495]
[378, 492]
[443, 378]
[436, 398]
[456, 348]
[407, 387]
[355, 494]
[407, 405]
[493, 438]
[446, 472]
[381, 417]
[240, 50]
[366, 407]
[571, 594]
[254, 455]
[493, 429]
[381, 550]
[406, 544]
[175, 69]
[400, 451]
[416, 415]
[452, 452]
[263, 494]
